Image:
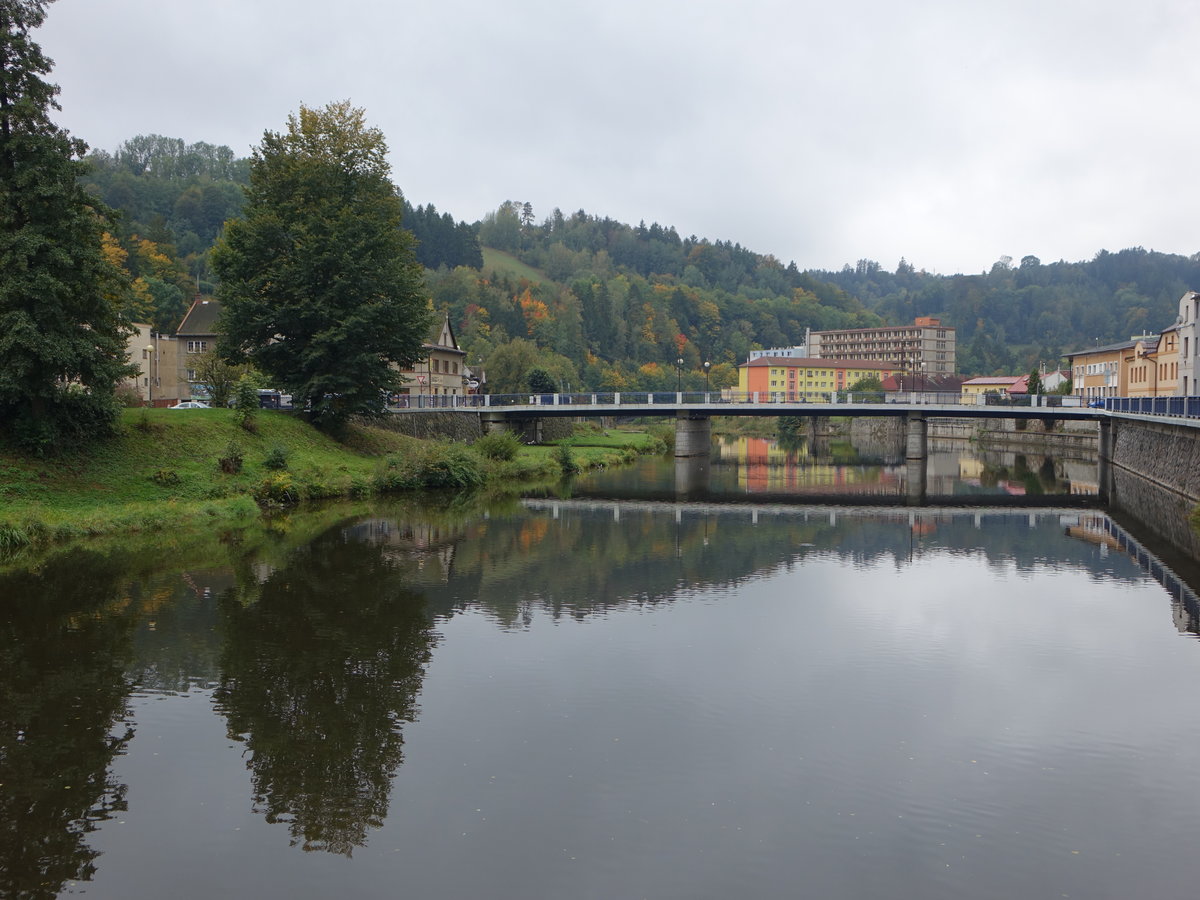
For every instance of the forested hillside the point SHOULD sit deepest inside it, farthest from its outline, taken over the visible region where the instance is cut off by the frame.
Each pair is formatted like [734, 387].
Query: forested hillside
[603, 304]
[1014, 316]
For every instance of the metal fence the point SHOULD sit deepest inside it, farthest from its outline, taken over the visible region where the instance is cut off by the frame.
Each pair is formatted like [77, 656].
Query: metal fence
[1176, 407]
[715, 398]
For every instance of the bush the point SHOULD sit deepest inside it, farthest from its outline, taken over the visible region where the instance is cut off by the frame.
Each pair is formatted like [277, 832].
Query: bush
[277, 489]
[451, 466]
[231, 462]
[245, 403]
[127, 395]
[565, 457]
[501, 445]
[165, 477]
[277, 459]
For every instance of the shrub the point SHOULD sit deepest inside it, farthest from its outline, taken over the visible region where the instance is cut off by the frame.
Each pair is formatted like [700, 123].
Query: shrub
[277, 459]
[127, 395]
[165, 477]
[245, 403]
[451, 466]
[277, 489]
[565, 457]
[231, 462]
[501, 445]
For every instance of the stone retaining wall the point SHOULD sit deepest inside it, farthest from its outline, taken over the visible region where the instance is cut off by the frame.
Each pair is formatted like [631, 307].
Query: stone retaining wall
[466, 425]
[454, 424]
[1168, 455]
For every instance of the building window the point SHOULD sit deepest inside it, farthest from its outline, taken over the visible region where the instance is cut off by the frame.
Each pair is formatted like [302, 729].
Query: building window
[191, 374]
[197, 346]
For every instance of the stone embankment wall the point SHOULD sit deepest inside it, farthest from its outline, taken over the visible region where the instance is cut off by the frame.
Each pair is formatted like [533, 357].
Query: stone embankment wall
[467, 425]
[457, 425]
[1167, 455]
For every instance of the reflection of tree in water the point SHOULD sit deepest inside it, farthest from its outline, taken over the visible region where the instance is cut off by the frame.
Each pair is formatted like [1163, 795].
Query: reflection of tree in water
[316, 677]
[64, 648]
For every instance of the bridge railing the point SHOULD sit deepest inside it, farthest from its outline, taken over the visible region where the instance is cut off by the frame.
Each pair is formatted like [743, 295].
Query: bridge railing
[727, 396]
[1174, 407]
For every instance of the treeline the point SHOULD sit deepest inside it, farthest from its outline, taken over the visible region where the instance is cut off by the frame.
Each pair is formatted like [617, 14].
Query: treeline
[608, 305]
[1013, 317]
[173, 199]
[617, 306]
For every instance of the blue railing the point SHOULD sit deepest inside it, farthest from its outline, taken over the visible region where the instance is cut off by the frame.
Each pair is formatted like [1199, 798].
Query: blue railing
[709, 398]
[1175, 407]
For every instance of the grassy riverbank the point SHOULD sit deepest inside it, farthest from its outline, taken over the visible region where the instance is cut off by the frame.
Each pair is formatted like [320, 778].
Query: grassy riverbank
[170, 469]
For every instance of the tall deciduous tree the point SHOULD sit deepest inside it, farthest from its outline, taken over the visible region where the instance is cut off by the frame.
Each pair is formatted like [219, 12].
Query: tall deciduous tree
[62, 343]
[320, 286]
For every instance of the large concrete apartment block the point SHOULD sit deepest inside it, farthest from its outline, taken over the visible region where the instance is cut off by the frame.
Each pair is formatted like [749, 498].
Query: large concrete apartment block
[925, 346]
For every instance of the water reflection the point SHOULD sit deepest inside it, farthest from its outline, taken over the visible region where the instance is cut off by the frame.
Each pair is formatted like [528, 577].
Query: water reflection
[859, 471]
[65, 650]
[321, 666]
[318, 641]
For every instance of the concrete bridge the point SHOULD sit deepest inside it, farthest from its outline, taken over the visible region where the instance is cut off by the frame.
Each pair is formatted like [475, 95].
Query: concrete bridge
[1156, 440]
[693, 411]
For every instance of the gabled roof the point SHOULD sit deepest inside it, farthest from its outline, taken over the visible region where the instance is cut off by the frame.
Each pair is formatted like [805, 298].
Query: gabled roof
[201, 319]
[441, 337]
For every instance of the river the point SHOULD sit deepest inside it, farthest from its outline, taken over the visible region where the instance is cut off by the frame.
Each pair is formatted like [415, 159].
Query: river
[637, 685]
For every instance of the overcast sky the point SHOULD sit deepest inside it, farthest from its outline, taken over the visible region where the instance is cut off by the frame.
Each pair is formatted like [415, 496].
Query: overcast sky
[948, 132]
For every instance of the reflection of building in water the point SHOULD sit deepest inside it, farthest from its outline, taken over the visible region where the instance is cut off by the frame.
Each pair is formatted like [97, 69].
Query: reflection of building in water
[428, 546]
[762, 466]
[1091, 528]
[1108, 535]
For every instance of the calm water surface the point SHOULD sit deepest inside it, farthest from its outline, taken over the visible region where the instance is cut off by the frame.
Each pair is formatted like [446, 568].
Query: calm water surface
[579, 697]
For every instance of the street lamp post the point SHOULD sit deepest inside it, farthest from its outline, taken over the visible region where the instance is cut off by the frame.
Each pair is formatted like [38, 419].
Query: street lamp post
[679, 375]
[150, 374]
[707, 388]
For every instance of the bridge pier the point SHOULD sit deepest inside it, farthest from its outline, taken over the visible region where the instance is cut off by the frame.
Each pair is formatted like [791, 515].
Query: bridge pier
[917, 436]
[691, 477]
[693, 435]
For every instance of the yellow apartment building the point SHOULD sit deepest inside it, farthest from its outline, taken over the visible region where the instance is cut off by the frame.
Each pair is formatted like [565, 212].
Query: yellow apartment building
[1101, 371]
[790, 378]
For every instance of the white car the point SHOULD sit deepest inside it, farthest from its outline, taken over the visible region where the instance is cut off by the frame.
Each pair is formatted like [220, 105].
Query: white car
[190, 404]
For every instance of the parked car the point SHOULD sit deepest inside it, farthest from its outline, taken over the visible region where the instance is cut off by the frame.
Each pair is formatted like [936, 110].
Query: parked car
[190, 404]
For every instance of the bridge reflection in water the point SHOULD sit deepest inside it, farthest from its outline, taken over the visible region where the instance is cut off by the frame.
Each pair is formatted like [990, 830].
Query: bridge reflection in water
[1093, 527]
[933, 479]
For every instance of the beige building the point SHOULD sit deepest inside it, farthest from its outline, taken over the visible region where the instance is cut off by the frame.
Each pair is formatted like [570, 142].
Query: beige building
[1100, 372]
[1001, 385]
[443, 373]
[927, 346]
[1152, 366]
[156, 357]
[196, 334]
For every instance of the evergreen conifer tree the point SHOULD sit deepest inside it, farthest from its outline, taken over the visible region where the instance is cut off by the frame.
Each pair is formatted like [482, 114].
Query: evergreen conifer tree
[62, 343]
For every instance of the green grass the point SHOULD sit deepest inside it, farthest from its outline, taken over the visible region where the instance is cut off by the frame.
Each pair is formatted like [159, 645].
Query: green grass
[505, 264]
[163, 473]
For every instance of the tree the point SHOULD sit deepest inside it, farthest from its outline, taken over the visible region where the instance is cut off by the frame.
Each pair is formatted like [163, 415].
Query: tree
[1035, 383]
[219, 375]
[320, 286]
[541, 382]
[62, 342]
